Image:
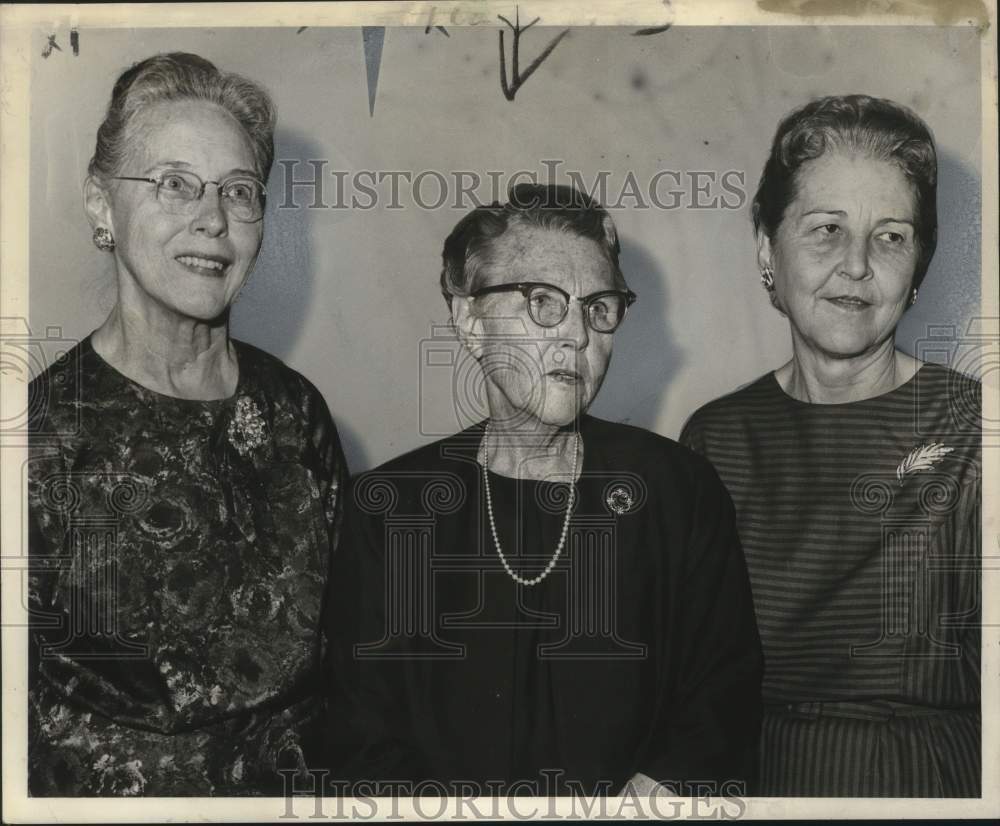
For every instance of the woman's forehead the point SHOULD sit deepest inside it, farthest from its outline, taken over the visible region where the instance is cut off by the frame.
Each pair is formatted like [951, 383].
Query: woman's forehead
[189, 131]
[845, 178]
[555, 256]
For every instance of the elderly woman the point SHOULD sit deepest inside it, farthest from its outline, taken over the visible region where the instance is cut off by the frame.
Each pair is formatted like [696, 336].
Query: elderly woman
[183, 486]
[545, 602]
[855, 471]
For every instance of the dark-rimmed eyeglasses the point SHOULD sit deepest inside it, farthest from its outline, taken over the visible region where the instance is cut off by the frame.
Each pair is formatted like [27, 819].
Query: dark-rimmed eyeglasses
[178, 191]
[548, 304]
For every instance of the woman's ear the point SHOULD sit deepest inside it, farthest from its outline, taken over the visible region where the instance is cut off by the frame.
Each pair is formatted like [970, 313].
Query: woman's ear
[467, 324]
[765, 263]
[764, 253]
[97, 204]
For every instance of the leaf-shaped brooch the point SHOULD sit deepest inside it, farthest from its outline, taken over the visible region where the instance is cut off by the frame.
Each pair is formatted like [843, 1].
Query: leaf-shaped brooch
[247, 430]
[922, 457]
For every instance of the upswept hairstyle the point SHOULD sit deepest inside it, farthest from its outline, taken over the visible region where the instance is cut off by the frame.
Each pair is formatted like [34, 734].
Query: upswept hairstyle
[181, 76]
[875, 127]
[469, 246]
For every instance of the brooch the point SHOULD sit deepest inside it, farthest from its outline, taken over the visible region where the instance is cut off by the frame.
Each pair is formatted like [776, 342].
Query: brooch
[620, 500]
[247, 431]
[920, 458]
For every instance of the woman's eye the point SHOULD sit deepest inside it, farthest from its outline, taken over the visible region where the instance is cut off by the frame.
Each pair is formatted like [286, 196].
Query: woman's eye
[828, 229]
[174, 183]
[240, 191]
[893, 237]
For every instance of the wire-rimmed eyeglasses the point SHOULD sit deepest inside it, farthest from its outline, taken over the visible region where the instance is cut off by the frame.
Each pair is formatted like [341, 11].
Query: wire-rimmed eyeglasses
[178, 191]
[548, 304]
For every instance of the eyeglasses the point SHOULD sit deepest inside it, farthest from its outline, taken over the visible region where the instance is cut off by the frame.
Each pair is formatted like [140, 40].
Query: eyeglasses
[548, 305]
[178, 192]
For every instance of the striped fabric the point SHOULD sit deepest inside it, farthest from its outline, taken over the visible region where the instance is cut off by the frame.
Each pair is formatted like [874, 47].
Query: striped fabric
[861, 527]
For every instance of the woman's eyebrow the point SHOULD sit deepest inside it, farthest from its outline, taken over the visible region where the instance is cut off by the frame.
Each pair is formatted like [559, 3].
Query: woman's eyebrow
[158, 164]
[185, 165]
[821, 211]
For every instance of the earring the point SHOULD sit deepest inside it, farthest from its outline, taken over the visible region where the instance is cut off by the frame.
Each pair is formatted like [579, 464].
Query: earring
[913, 297]
[103, 239]
[767, 279]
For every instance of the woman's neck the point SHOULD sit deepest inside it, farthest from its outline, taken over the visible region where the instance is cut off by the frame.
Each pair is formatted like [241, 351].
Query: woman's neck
[813, 377]
[176, 357]
[540, 453]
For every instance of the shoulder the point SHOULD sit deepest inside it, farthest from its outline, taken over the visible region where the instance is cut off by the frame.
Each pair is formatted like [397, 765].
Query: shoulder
[278, 381]
[737, 404]
[724, 416]
[626, 448]
[436, 477]
[57, 395]
[937, 382]
[947, 407]
[445, 454]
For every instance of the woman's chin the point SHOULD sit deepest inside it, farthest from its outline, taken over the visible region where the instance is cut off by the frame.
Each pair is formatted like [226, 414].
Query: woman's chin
[204, 312]
[562, 416]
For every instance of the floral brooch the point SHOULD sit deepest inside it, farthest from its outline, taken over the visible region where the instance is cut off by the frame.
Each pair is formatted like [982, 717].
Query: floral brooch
[247, 430]
[620, 500]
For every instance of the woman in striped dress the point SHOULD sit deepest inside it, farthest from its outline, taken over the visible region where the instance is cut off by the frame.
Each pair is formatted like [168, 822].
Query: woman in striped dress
[856, 474]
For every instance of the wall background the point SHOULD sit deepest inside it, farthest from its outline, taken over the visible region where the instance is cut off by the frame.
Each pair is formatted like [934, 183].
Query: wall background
[349, 297]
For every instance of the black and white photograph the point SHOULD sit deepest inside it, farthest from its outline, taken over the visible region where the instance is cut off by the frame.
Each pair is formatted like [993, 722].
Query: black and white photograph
[479, 410]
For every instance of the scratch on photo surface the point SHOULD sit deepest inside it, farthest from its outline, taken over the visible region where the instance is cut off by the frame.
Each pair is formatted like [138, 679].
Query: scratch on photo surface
[50, 45]
[518, 79]
[653, 30]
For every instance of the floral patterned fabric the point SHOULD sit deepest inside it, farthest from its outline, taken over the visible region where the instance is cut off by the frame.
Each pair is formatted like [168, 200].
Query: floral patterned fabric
[180, 551]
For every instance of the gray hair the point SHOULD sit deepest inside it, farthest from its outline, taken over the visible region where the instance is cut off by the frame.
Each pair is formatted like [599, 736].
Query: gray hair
[174, 77]
[469, 246]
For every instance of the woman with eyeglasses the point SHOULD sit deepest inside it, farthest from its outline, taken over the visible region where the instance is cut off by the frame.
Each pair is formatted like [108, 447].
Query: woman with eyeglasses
[544, 603]
[183, 486]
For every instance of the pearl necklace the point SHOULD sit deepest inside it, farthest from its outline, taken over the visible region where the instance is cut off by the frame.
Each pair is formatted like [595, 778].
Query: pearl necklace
[493, 525]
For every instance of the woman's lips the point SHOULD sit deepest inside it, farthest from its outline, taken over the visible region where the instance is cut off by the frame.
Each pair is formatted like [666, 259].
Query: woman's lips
[203, 265]
[849, 302]
[566, 376]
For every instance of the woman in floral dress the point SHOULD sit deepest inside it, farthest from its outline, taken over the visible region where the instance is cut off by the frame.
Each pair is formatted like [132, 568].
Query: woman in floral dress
[183, 486]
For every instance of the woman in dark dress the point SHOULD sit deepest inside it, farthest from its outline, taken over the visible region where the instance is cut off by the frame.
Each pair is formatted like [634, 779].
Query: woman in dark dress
[183, 486]
[545, 602]
[856, 474]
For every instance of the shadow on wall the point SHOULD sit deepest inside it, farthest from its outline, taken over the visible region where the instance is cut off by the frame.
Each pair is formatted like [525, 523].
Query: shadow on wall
[646, 357]
[950, 294]
[272, 310]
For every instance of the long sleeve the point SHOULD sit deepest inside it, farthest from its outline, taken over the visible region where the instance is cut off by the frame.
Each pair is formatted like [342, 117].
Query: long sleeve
[369, 722]
[711, 720]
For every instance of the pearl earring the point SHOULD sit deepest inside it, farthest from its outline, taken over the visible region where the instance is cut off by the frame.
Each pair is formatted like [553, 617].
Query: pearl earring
[767, 279]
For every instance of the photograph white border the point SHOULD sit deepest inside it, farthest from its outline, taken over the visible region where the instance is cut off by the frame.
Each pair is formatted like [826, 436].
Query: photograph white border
[20, 28]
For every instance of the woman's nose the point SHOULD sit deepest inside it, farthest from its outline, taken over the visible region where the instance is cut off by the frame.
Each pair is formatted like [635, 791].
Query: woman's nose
[210, 216]
[574, 327]
[855, 264]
